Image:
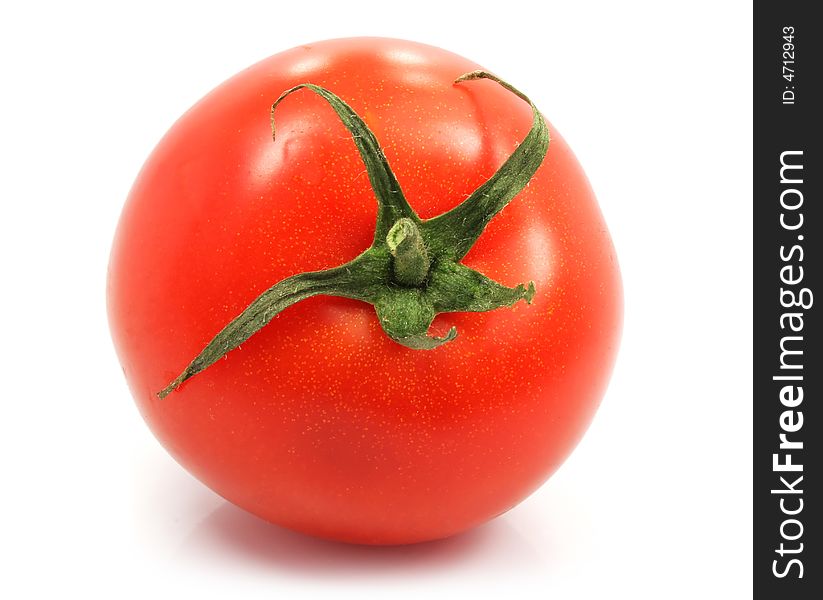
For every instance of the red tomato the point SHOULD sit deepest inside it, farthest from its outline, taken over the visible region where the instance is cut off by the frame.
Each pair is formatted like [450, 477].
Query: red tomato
[320, 422]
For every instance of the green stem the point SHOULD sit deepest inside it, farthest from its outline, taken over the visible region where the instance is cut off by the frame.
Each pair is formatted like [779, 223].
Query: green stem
[411, 261]
[411, 272]
[455, 232]
[391, 203]
[356, 279]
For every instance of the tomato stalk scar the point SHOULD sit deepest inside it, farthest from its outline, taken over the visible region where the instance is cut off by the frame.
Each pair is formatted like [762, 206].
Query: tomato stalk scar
[412, 270]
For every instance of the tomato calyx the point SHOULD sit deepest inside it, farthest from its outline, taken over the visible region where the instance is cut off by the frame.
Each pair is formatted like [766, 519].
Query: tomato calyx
[412, 270]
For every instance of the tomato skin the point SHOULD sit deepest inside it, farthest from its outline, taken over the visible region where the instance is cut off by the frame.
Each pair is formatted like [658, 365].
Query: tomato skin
[320, 422]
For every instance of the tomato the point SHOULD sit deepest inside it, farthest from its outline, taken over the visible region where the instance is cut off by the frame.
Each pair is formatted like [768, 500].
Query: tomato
[321, 422]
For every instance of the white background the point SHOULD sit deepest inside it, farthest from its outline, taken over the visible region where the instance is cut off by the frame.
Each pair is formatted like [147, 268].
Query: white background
[654, 97]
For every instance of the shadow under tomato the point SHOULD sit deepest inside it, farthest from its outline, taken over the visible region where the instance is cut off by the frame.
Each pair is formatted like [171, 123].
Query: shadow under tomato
[229, 530]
